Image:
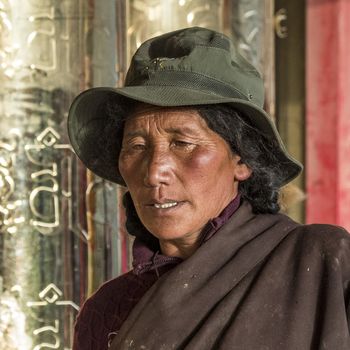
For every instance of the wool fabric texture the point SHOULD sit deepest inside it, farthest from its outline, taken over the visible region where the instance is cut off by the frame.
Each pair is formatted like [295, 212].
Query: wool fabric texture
[262, 282]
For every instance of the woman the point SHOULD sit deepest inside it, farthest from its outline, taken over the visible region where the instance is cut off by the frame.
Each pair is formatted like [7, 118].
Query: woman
[215, 265]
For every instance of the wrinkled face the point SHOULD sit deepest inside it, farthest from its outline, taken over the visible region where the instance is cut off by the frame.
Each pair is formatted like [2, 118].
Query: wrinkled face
[180, 173]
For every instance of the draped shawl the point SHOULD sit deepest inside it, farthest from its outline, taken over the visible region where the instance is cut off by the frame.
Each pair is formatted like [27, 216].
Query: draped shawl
[262, 282]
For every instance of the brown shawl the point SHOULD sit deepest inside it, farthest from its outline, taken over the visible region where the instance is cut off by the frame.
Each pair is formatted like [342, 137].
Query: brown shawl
[262, 282]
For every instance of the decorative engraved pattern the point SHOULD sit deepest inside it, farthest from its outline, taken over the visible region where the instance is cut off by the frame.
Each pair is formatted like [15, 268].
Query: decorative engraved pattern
[9, 215]
[45, 153]
[50, 295]
[12, 316]
[251, 25]
[247, 26]
[51, 331]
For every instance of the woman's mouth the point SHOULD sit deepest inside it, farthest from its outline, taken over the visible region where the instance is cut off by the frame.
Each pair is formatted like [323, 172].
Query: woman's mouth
[165, 205]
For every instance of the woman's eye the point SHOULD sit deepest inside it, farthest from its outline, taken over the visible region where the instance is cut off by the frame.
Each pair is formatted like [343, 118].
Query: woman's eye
[182, 144]
[138, 147]
[128, 147]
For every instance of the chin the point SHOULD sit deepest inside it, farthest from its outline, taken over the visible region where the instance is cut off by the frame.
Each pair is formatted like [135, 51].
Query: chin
[167, 234]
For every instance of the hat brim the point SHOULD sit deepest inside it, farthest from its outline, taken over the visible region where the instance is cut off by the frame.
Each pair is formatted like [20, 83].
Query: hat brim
[85, 118]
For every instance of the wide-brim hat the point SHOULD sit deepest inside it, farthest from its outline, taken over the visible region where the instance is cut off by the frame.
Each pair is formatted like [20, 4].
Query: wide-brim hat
[187, 67]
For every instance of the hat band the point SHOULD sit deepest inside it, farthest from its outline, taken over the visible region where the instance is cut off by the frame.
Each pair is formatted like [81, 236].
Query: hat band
[189, 80]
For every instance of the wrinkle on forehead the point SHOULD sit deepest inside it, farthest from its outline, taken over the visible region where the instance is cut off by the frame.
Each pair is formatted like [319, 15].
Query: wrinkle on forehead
[169, 119]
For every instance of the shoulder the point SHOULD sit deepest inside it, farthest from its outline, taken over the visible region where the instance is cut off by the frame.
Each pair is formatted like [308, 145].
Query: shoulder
[110, 293]
[100, 314]
[105, 310]
[114, 286]
[322, 235]
[105, 297]
[116, 297]
[328, 237]
[322, 243]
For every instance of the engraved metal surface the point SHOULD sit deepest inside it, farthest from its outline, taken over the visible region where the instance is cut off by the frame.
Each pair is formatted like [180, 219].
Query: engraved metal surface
[44, 52]
[247, 21]
[251, 24]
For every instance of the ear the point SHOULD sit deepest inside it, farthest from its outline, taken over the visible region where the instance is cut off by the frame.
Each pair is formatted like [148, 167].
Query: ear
[242, 171]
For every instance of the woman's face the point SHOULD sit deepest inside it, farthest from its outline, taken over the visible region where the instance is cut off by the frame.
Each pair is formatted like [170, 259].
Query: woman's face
[179, 172]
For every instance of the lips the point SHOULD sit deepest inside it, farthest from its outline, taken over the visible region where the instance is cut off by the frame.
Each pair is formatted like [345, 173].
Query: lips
[165, 205]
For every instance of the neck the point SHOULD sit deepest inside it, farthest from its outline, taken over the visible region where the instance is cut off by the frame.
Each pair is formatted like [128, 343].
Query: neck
[178, 249]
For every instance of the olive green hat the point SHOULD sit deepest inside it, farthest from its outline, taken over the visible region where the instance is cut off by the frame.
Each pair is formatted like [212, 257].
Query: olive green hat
[187, 67]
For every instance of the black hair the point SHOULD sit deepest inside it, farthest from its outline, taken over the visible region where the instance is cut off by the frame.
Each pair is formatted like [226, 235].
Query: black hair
[260, 153]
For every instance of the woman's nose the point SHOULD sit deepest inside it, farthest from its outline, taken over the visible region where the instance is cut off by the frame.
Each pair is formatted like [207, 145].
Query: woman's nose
[158, 170]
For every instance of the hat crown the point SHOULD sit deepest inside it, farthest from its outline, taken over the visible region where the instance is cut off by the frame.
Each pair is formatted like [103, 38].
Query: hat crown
[196, 54]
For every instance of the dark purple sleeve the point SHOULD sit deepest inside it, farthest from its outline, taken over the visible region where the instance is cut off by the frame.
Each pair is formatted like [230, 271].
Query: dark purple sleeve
[106, 310]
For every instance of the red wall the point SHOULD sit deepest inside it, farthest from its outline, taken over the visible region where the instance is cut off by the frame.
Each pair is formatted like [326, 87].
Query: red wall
[328, 112]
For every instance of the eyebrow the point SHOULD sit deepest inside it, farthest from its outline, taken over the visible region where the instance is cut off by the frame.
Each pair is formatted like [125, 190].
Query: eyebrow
[183, 130]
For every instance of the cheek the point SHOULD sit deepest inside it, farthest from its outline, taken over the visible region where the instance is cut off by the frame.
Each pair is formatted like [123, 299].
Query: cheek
[201, 159]
[207, 163]
[126, 166]
[204, 168]
[211, 175]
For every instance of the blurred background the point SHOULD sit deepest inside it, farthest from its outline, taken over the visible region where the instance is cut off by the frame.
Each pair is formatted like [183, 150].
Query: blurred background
[61, 228]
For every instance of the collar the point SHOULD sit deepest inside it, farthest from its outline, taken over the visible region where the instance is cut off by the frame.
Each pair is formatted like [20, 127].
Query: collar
[146, 259]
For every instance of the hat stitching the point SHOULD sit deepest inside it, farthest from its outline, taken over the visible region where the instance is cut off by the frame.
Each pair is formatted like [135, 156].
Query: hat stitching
[165, 70]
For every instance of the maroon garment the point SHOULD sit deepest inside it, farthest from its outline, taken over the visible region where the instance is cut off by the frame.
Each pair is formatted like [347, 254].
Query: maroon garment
[106, 310]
